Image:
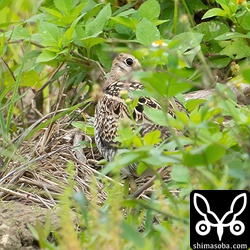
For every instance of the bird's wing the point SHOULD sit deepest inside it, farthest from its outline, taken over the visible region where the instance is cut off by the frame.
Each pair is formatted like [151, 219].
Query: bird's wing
[112, 108]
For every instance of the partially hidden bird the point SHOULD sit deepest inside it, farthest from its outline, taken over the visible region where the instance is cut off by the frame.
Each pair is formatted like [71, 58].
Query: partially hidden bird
[112, 108]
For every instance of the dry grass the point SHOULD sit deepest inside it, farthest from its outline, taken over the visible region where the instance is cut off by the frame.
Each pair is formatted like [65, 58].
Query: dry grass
[39, 172]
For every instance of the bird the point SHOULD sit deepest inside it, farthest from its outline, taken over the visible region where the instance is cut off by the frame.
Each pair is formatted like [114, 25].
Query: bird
[112, 108]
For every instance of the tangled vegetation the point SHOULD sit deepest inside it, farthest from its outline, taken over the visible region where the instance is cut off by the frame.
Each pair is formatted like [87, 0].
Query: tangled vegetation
[54, 56]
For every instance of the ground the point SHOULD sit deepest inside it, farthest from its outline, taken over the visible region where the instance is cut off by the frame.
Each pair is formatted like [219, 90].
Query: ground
[14, 220]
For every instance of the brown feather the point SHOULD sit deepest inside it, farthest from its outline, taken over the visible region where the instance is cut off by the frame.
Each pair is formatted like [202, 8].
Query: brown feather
[111, 108]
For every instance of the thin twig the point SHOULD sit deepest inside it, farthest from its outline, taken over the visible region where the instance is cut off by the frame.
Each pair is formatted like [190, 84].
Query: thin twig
[49, 81]
[24, 196]
[30, 42]
[162, 172]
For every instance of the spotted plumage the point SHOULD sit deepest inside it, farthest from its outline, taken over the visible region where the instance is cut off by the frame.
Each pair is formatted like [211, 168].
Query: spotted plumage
[111, 108]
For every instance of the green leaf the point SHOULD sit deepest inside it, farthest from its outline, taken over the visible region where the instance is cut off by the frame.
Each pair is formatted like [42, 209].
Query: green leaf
[155, 159]
[244, 20]
[167, 85]
[211, 29]
[121, 29]
[33, 231]
[2, 45]
[159, 22]
[219, 62]
[237, 48]
[224, 4]
[91, 41]
[214, 12]
[129, 22]
[192, 104]
[30, 78]
[49, 32]
[146, 32]
[131, 233]
[87, 128]
[125, 13]
[246, 75]
[156, 115]
[152, 138]
[91, 10]
[125, 133]
[159, 81]
[53, 12]
[20, 33]
[231, 35]
[178, 87]
[194, 158]
[230, 6]
[150, 9]
[103, 55]
[96, 26]
[180, 174]
[46, 56]
[173, 59]
[141, 168]
[65, 6]
[190, 55]
[3, 3]
[129, 157]
[186, 41]
[205, 155]
[80, 32]
[214, 152]
[36, 18]
[69, 34]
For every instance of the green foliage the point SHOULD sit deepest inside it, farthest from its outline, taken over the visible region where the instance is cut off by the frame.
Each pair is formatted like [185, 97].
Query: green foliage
[75, 39]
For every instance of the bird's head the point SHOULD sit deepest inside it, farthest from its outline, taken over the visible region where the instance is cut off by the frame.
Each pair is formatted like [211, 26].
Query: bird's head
[123, 65]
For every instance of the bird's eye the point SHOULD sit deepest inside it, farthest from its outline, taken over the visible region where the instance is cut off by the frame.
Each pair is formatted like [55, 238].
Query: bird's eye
[129, 61]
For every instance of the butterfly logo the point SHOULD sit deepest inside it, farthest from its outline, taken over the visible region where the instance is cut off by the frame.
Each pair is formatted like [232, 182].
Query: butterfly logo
[203, 227]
